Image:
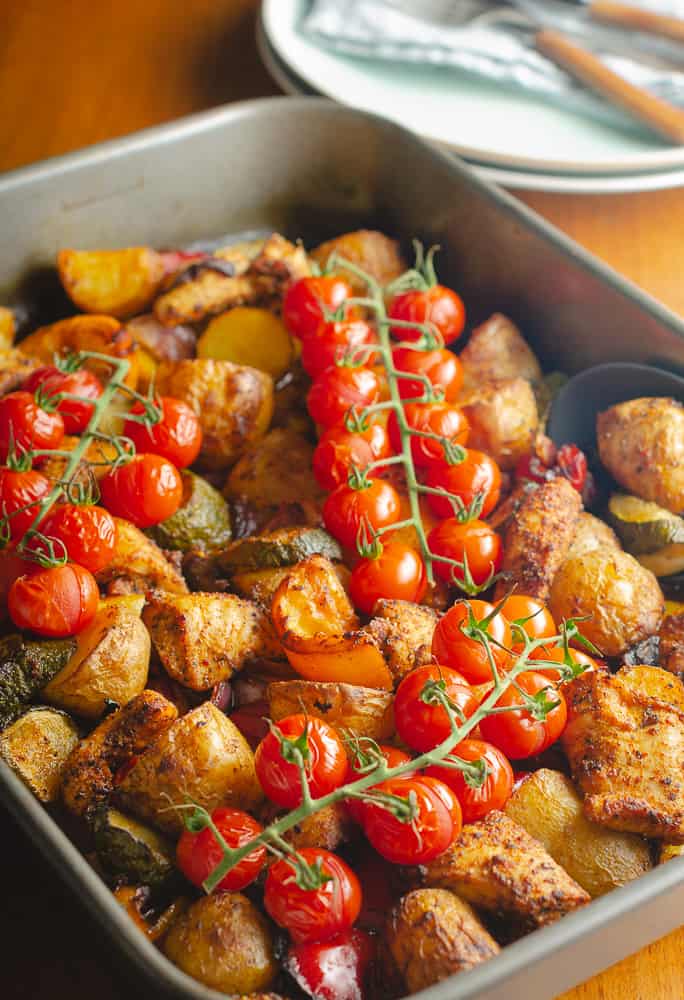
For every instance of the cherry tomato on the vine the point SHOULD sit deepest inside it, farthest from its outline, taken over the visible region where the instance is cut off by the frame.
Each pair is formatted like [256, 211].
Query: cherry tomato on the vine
[473, 542]
[198, 854]
[12, 566]
[424, 724]
[443, 419]
[19, 489]
[348, 512]
[336, 390]
[323, 752]
[339, 449]
[334, 969]
[331, 341]
[557, 655]
[437, 305]
[146, 490]
[517, 733]
[87, 532]
[478, 475]
[411, 841]
[443, 369]
[394, 757]
[397, 574]
[307, 299]
[76, 413]
[539, 624]
[25, 425]
[54, 602]
[313, 914]
[493, 793]
[456, 644]
[176, 437]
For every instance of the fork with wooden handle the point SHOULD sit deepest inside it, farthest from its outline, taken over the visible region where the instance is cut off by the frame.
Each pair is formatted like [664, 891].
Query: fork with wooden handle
[636, 19]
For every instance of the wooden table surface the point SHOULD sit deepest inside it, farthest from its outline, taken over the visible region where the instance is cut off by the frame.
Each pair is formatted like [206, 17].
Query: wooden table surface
[80, 71]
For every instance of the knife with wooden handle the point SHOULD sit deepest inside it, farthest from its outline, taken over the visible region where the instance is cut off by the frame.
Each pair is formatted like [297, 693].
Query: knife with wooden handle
[636, 19]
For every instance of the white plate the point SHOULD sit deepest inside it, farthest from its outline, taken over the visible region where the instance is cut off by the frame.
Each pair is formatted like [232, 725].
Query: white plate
[476, 118]
[515, 179]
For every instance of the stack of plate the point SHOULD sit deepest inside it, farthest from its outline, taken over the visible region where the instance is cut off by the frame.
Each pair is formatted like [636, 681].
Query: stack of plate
[512, 138]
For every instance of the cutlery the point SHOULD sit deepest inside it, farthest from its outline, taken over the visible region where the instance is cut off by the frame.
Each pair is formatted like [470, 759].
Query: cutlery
[634, 18]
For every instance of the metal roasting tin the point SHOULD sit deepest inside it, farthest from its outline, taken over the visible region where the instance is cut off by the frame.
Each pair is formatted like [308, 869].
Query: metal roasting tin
[310, 168]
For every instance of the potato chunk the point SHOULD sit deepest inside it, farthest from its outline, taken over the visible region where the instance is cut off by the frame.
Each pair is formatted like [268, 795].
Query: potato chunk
[37, 747]
[274, 471]
[373, 252]
[497, 350]
[118, 282]
[364, 710]
[592, 533]
[503, 419]
[140, 562]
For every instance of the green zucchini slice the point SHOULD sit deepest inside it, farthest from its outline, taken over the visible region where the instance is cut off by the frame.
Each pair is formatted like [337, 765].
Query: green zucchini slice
[201, 522]
[36, 747]
[129, 849]
[26, 666]
[284, 547]
[644, 527]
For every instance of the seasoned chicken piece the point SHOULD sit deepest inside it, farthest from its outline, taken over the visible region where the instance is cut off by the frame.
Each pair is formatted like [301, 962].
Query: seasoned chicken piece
[641, 443]
[538, 539]
[431, 934]
[497, 350]
[625, 744]
[15, 368]
[139, 563]
[202, 639]
[671, 647]
[592, 533]
[234, 404]
[373, 252]
[498, 867]
[503, 419]
[403, 631]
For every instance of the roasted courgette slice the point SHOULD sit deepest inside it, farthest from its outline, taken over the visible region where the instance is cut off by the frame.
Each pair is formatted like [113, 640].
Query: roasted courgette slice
[36, 747]
[129, 849]
[201, 522]
[644, 527]
[284, 547]
[26, 666]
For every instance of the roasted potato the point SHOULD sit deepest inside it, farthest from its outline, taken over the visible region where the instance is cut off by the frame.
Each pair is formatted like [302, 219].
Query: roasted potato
[431, 934]
[376, 254]
[249, 336]
[620, 599]
[139, 561]
[99, 333]
[547, 805]
[8, 328]
[234, 404]
[37, 747]
[15, 368]
[327, 828]
[496, 350]
[592, 533]
[224, 942]
[97, 460]
[671, 645]
[503, 419]
[403, 632]
[202, 758]
[365, 711]
[117, 282]
[274, 471]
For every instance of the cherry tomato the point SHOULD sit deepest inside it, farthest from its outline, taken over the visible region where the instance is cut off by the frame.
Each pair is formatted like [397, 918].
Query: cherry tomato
[307, 300]
[54, 602]
[539, 625]
[473, 542]
[24, 425]
[531, 467]
[443, 419]
[12, 566]
[557, 655]
[87, 532]
[414, 841]
[337, 389]
[437, 305]
[334, 969]
[422, 725]
[477, 475]
[397, 574]
[442, 368]
[347, 512]
[339, 449]
[517, 733]
[324, 756]
[177, 437]
[331, 341]
[454, 646]
[76, 413]
[492, 794]
[198, 854]
[448, 797]
[19, 489]
[146, 490]
[313, 914]
[573, 465]
[393, 756]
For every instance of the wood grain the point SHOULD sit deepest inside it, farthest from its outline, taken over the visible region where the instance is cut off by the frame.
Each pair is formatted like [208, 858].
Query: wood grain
[77, 72]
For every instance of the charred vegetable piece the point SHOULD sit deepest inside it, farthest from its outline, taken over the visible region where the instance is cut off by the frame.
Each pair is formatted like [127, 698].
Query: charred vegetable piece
[284, 547]
[201, 522]
[643, 526]
[37, 746]
[26, 666]
[127, 848]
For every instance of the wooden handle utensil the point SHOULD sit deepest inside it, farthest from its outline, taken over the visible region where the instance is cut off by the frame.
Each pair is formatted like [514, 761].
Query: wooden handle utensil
[627, 16]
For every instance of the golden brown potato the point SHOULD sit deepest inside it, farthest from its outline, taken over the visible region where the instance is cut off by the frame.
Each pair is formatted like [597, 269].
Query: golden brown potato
[15, 368]
[224, 942]
[403, 632]
[373, 252]
[625, 744]
[621, 600]
[547, 805]
[431, 934]
[497, 350]
[137, 559]
[37, 747]
[202, 639]
[671, 645]
[111, 661]
[99, 333]
[274, 471]
[234, 404]
[641, 443]
[327, 828]
[88, 776]
[503, 419]
[117, 282]
[498, 867]
[202, 757]
[592, 533]
[538, 538]
[365, 711]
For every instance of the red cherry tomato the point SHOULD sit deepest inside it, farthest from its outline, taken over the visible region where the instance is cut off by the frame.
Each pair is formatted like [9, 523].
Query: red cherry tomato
[424, 725]
[19, 489]
[76, 413]
[443, 369]
[347, 512]
[336, 390]
[454, 646]
[54, 602]
[177, 437]
[146, 490]
[324, 756]
[307, 300]
[393, 756]
[198, 854]
[339, 449]
[496, 790]
[443, 419]
[12, 566]
[334, 969]
[473, 542]
[87, 532]
[448, 797]
[313, 914]
[477, 475]
[517, 733]
[331, 341]
[557, 655]
[397, 574]
[414, 841]
[539, 624]
[437, 305]
[24, 425]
